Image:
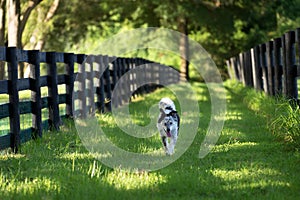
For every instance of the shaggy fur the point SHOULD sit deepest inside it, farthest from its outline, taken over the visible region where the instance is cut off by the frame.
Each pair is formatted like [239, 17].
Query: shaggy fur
[168, 124]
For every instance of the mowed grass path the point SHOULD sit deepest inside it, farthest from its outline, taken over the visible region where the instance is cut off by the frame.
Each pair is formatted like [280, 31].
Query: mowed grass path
[246, 163]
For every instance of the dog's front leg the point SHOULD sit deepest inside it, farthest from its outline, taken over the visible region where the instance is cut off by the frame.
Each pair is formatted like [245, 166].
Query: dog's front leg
[165, 144]
[173, 141]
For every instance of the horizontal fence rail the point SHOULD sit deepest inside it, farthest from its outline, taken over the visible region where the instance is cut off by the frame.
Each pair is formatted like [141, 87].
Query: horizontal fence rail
[91, 79]
[272, 67]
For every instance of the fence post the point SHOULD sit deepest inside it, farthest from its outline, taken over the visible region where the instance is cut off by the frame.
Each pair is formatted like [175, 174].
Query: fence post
[69, 61]
[54, 118]
[122, 70]
[290, 69]
[127, 86]
[90, 85]
[36, 109]
[14, 112]
[230, 68]
[248, 77]
[81, 77]
[119, 67]
[147, 72]
[134, 78]
[100, 89]
[114, 72]
[138, 77]
[237, 67]
[263, 64]
[277, 67]
[130, 77]
[256, 68]
[298, 67]
[144, 77]
[114, 81]
[234, 63]
[270, 67]
[107, 82]
[242, 66]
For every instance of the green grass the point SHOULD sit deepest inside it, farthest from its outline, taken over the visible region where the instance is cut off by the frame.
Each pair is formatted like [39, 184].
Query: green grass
[247, 162]
[282, 115]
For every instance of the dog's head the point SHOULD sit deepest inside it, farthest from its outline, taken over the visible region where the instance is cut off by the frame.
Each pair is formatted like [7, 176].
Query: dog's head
[166, 105]
[170, 125]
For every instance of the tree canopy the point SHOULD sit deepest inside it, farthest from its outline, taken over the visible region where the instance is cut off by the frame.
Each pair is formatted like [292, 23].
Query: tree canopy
[222, 27]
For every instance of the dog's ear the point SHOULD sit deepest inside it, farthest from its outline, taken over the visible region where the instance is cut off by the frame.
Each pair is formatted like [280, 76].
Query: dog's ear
[162, 116]
[169, 108]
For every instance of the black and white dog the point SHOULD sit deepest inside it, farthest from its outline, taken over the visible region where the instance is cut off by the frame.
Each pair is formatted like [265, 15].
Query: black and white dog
[168, 124]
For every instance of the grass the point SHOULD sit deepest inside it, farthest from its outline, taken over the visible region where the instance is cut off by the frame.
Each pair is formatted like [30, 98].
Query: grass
[247, 162]
[282, 115]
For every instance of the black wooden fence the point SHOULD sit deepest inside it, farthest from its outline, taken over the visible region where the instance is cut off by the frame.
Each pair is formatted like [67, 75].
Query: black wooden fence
[97, 76]
[272, 67]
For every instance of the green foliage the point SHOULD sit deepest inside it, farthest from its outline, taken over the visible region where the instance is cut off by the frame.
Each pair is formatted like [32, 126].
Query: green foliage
[224, 28]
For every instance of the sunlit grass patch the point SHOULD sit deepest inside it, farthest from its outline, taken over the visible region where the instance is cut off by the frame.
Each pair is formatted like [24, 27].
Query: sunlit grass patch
[122, 179]
[233, 144]
[250, 178]
[31, 187]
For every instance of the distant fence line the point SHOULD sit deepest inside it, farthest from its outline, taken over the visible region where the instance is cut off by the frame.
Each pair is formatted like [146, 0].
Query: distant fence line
[272, 67]
[97, 76]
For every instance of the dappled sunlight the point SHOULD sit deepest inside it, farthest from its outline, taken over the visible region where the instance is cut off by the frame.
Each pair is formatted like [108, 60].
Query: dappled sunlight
[123, 179]
[234, 115]
[75, 155]
[233, 144]
[250, 178]
[30, 186]
[7, 156]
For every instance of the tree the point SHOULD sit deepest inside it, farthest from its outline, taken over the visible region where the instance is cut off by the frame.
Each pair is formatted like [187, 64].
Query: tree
[2, 21]
[16, 24]
[13, 23]
[184, 48]
[222, 27]
[71, 23]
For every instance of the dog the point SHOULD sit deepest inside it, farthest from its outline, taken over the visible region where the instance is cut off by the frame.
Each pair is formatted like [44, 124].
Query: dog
[168, 124]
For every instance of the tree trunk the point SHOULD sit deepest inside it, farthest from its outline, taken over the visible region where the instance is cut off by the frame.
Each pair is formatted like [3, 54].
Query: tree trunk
[2, 34]
[13, 13]
[2, 21]
[13, 7]
[16, 26]
[184, 48]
